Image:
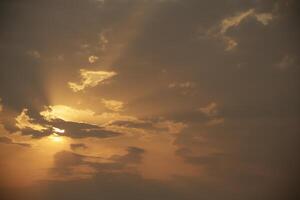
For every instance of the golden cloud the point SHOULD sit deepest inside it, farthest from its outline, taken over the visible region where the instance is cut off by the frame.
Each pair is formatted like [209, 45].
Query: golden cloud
[90, 79]
[113, 105]
[83, 115]
[23, 121]
[234, 21]
[92, 59]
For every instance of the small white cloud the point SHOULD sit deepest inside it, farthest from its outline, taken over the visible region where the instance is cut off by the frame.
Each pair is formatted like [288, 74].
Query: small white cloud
[113, 105]
[90, 79]
[92, 59]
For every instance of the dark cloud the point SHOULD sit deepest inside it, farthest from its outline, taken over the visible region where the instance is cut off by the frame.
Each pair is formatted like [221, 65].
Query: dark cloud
[65, 161]
[72, 129]
[81, 130]
[6, 140]
[134, 155]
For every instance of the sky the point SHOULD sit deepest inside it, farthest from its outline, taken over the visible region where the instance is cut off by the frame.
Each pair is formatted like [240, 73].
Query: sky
[149, 99]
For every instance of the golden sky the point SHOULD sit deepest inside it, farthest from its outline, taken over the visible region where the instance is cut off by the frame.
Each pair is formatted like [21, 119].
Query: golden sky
[149, 99]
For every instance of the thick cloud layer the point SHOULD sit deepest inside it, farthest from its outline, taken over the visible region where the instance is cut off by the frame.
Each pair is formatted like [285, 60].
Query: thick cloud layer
[149, 99]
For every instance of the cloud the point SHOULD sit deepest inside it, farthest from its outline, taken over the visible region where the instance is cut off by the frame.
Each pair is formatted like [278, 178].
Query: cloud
[68, 164]
[68, 113]
[228, 23]
[6, 140]
[186, 84]
[92, 59]
[65, 163]
[209, 110]
[264, 18]
[185, 88]
[90, 79]
[212, 113]
[60, 122]
[35, 54]
[215, 121]
[286, 62]
[113, 105]
[234, 21]
[23, 121]
[78, 146]
[103, 41]
[82, 130]
[133, 155]
[171, 126]
[1, 106]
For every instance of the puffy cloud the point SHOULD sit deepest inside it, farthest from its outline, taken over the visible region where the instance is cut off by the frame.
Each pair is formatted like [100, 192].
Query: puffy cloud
[113, 105]
[90, 79]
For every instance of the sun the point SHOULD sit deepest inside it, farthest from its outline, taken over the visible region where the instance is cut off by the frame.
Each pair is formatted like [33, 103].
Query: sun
[56, 138]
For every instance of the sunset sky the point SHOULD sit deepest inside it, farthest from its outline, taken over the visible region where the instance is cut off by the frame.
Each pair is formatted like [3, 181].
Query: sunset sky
[149, 99]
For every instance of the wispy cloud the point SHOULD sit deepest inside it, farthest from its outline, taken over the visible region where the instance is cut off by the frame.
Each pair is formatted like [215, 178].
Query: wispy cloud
[221, 31]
